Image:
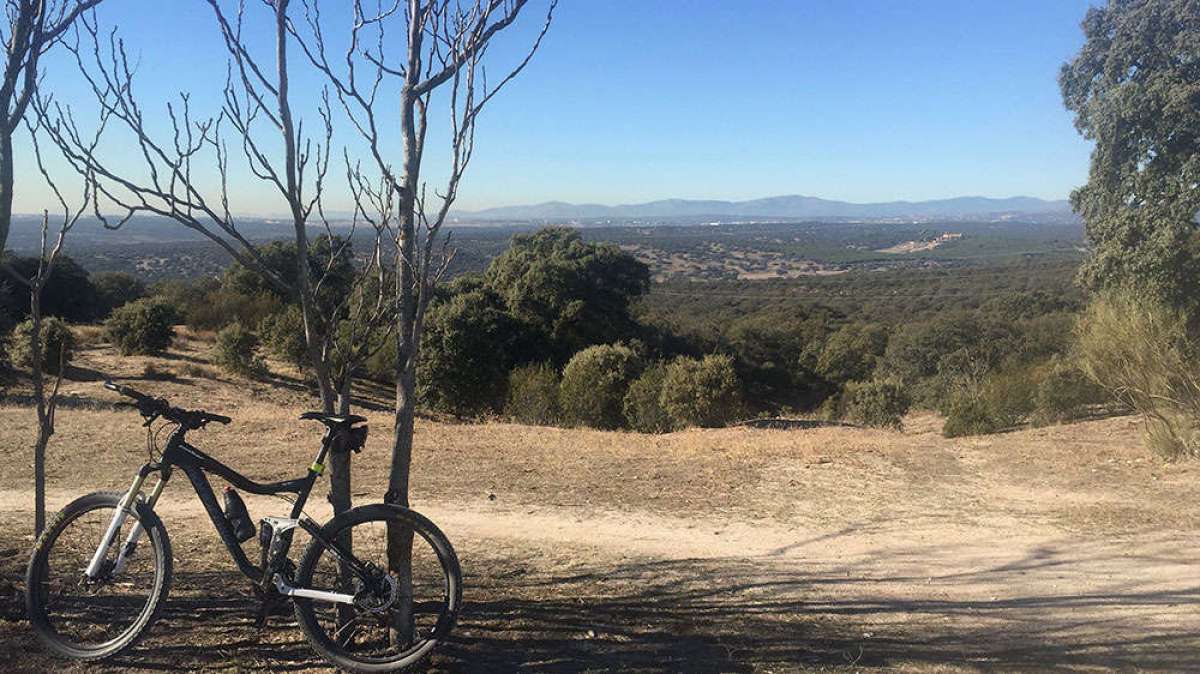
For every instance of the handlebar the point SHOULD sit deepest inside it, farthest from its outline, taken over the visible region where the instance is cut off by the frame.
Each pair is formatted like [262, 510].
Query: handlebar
[153, 408]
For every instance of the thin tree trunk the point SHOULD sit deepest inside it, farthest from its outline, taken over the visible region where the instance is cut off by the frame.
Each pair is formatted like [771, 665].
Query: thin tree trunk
[6, 186]
[400, 538]
[45, 421]
[339, 498]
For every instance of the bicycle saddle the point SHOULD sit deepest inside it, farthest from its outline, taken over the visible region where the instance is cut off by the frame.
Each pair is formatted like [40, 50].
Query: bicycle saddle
[332, 420]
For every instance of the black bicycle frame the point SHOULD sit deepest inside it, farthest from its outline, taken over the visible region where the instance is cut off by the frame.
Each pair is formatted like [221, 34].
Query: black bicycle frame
[195, 464]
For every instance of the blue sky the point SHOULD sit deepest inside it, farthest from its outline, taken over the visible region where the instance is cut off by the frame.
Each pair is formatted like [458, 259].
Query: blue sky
[633, 100]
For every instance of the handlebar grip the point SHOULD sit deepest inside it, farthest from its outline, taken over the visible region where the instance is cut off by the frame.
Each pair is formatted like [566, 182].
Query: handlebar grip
[125, 390]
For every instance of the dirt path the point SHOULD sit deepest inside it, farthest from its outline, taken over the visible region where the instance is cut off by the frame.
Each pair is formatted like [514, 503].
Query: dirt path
[638, 590]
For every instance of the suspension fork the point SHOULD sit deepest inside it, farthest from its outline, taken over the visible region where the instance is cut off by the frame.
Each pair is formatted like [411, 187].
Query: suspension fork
[124, 509]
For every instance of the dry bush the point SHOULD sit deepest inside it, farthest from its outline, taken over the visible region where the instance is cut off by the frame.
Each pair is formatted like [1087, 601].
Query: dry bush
[153, 372]
[196, 371]
[1144, 354]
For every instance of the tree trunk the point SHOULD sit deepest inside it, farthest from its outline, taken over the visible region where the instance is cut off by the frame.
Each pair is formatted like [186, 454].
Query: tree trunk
[45, 421]
[400, 539]
[6, 186]
[339, 498]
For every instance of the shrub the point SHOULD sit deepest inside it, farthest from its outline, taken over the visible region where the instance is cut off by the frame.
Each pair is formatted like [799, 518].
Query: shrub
[466, 351]
[145, 326]
[156, 373]
[1145, 356]
[282, 333]
[196, 371]
[224, 307]
[1000, 401]
[851, 353]
[643, 406]
[881, 403]
[236, 351]
[702, 392]
[1064, 393]
[969, 415]
[533, 395]
[58, 344]
[594, 383]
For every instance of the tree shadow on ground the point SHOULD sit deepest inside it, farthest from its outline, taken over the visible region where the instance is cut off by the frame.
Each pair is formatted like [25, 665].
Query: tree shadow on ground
[689, 616]
[704, 616]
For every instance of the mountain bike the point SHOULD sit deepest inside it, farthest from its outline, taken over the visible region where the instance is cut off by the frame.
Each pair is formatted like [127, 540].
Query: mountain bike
[100, 572]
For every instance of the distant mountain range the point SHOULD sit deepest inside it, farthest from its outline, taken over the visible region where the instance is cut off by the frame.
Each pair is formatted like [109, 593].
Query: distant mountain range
[792, 206]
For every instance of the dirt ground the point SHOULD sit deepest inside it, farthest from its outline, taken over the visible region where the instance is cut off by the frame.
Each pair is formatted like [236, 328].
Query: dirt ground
[1066, 548]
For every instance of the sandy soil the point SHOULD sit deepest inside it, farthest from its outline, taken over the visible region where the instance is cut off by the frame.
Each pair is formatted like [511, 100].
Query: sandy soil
[736, 550]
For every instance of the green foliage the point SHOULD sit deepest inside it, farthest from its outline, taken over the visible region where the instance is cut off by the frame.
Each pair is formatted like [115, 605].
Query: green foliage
[1065, 393]
[57, 344]
[330, 262]
[768, 349]
[594, 384]
[934, 356]
[144, 326]
[1134, 90]
[969, 415]
[533, 395]
[115, 289]
[1145, 355]
[643, 406]
[466, 352]
[282, 333]
[851, 353]
[571, 293]
[67, 294]
[880, 403]
[999, 401]
[236, 351]
[702, 392]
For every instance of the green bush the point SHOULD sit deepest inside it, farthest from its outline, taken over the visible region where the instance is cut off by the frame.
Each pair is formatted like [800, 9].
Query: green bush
[703, 392]
[282, 333]
[1064, 393]
[236, 351]
[533, 395]
[594, 383]
[969, 415]
[643, 405]
[851, 353]
[222, 307]
[58, 344]
[466, 351]
[1145, 355]
[145, 326]
[1000, 401]
[880, 403]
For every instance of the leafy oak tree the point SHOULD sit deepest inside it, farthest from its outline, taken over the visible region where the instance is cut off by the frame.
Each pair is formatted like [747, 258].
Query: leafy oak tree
[1135, 90]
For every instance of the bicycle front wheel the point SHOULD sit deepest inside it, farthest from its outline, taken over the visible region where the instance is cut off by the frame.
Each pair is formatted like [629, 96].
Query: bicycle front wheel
[398, 617]
[94, 618]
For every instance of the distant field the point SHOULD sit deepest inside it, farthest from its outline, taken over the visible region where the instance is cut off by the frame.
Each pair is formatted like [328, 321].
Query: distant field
[749, 251]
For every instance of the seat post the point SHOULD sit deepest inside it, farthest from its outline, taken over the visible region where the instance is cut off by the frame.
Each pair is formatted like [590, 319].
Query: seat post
[318, 464]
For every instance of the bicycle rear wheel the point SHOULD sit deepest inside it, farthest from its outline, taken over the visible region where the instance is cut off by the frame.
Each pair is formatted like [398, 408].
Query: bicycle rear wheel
[85, 619]
[382, 631]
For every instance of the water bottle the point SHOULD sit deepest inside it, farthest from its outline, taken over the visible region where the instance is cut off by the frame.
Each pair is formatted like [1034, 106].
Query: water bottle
[238, 516]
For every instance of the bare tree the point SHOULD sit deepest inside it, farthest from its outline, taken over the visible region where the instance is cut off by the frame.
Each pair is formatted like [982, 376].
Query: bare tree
[46, 403]
[33, 28]
[445, 48]
[257, 115]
